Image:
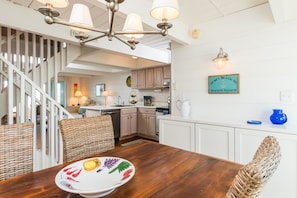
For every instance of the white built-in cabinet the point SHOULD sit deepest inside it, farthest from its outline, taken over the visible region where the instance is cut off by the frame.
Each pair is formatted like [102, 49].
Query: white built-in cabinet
[91, 113]
[238, 145]
[284, 181]
[217, 141]
[177, 134]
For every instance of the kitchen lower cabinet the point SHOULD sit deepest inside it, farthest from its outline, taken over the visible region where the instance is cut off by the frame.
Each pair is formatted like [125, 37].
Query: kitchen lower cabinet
[147, 122]
[284, 181]
[217, 141]
[128, 121]
[177, 134]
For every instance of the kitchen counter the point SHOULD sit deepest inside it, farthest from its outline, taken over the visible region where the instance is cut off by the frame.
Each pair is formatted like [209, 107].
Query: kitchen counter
[99, 108]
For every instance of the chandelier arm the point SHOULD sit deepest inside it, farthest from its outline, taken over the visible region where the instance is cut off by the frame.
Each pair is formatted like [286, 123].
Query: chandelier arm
[62, 22]
[144, 32]
[93, 38]
[111, 24]
[132, 46]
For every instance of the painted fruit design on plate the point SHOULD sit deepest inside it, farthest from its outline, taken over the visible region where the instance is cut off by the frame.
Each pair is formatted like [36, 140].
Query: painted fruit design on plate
[92, 164]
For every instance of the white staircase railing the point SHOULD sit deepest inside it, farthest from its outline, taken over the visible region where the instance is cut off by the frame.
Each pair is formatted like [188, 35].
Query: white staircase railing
[28, 63]
[34, 105]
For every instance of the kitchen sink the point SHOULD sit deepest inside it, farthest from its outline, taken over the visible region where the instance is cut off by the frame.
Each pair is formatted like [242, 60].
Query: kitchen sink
[119, 105]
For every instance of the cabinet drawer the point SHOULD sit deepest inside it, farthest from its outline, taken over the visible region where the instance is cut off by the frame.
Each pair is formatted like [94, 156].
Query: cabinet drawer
[128, 110]
[147, 110]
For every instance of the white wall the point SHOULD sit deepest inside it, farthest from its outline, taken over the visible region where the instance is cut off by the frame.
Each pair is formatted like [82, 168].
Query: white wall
[262, 52]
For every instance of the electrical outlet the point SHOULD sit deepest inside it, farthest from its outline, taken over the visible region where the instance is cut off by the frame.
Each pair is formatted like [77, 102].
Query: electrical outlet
[287, 96]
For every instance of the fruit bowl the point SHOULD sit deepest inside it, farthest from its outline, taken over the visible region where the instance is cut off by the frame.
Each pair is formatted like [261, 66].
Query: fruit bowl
[95, 177]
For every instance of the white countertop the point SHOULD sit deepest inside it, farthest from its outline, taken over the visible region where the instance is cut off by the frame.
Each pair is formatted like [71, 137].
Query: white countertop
[99, 108]
[285, 128]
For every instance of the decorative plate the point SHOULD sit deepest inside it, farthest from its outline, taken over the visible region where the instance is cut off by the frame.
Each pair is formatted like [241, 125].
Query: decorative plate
[95, 177]
[128, 81]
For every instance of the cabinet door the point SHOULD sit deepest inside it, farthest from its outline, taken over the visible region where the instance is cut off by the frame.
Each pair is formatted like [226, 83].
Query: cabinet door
[141, 79]
[177, 134]
[167, 72]
[215, 141]
[134, 80]
[158, 77]
[125, 125]
[151, 125]
[284, 181]
[141, 123]
[149, 78]
[133, 120]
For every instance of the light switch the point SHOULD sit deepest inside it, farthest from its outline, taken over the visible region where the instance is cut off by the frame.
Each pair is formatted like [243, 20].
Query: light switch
[287, 96]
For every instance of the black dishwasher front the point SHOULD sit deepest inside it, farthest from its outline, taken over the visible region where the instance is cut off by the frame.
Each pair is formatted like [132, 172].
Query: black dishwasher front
[116, 118]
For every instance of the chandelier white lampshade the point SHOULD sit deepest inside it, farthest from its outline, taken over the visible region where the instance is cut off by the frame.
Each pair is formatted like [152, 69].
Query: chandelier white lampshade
[133, 23]
[80, 20]
[165, 9]
[80, 15]
[55, 3]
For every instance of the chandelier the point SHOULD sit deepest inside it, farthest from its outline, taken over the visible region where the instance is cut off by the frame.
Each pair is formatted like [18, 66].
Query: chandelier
[81, 21]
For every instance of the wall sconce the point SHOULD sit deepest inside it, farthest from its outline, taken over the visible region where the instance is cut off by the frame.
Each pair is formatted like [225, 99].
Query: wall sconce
[221, 59]
[78, 94]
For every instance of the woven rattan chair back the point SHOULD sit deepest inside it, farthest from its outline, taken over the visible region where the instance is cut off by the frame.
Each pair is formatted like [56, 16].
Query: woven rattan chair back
[16, 149]
[85, 137]
[252, 177]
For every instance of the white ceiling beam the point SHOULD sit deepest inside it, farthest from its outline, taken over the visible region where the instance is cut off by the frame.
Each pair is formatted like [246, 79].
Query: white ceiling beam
[283, 10]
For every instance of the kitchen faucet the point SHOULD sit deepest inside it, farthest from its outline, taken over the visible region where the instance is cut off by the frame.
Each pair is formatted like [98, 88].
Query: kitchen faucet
[119, 98]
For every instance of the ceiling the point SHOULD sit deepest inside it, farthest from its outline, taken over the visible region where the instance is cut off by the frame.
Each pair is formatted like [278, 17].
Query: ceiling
[192, 12]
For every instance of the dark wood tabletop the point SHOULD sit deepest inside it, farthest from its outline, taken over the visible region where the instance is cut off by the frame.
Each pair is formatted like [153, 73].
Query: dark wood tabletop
[161, 171]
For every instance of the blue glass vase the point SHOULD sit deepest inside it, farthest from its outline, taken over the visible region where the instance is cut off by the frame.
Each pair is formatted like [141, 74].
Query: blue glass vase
[278, 117]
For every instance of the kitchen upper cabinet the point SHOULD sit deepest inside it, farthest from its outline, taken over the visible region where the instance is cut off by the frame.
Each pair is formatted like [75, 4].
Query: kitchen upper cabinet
[217, 141]
[138, 79]
[154, 77]
[128, 121]
[167, 72]
[147, 122]
[149, 78]
[177, 134]
[284, 181]
[158, 77]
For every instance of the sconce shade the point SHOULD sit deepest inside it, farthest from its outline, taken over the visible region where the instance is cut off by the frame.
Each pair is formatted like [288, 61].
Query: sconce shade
[80, 15]
[221, 58]
[78, 94]
[165, 9]
[133, 23]
[55, 3]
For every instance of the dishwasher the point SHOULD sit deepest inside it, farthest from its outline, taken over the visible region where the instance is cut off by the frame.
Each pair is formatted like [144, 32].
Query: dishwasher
[116, 118]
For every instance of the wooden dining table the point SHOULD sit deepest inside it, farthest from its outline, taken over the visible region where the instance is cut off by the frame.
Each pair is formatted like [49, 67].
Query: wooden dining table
[160, 171]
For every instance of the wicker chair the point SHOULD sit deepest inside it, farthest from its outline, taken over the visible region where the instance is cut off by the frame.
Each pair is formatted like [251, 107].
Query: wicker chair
[16, 149]
[85, 137]
[251, 178]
